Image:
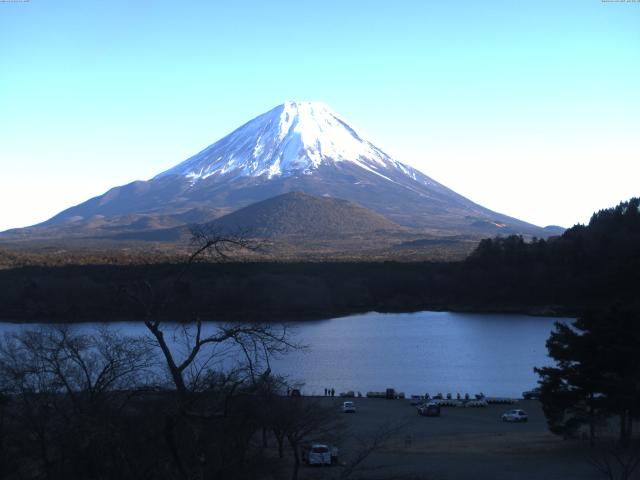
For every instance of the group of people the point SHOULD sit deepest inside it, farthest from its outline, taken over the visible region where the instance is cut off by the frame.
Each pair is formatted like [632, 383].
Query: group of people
[329, 392]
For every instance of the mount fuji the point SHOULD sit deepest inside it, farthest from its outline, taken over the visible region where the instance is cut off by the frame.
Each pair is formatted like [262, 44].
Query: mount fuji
[298, 146]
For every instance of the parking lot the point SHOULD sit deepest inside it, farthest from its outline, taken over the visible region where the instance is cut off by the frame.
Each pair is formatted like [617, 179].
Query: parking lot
[462, 442]
[453, 420]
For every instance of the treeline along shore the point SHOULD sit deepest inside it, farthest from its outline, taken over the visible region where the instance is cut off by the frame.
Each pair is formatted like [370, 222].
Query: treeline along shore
[261, 291]
[587, 265]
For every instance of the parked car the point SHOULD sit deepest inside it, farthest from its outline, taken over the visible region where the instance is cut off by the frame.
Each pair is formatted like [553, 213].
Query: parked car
[348, 407]
[416, 400]
[531, 394]
[430, 409]
[316, 454]
[515, 416]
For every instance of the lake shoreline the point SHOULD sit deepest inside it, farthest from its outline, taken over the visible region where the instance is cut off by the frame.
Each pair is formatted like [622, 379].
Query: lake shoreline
[259, 292]
[418, 352]
[282, 317]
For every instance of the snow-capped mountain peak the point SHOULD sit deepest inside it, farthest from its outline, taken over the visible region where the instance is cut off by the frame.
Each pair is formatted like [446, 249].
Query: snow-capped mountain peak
[296, 147]
[293, 138]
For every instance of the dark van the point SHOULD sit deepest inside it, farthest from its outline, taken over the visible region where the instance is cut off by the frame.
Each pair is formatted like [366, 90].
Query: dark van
[429, 410]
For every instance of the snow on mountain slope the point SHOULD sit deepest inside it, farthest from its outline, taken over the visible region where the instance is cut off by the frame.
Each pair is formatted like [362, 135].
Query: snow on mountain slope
[293, 138]
[303, 147]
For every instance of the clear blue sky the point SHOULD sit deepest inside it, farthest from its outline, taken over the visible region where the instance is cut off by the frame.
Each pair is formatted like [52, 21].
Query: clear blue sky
[531, 108]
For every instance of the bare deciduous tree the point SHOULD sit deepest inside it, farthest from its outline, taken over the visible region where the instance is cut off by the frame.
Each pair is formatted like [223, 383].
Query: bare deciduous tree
[217, 360]
[64, 388]
[366, 446]
[300, 420]
[254, 343]
[614, 461]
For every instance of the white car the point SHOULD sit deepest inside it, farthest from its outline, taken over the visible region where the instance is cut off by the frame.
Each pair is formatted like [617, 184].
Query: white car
[317, 454]
[515, 416]
[348, 407]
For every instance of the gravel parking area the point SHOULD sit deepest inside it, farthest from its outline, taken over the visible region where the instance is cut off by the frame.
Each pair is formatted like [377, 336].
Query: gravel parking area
[461, 443]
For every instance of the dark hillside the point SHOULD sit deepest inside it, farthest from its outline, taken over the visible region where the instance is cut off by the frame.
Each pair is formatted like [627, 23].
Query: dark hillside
[305, 215]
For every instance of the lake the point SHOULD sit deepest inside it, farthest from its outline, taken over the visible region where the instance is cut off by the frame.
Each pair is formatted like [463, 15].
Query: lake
[411, 352]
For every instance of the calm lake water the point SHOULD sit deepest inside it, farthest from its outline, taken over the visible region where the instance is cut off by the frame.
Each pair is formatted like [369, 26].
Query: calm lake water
[411, 352]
